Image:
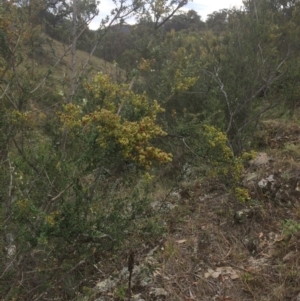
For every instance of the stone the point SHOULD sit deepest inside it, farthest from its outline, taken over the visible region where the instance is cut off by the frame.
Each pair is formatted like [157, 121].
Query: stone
[158, 292]
[105, 285]
[261, 159]
[137, 297]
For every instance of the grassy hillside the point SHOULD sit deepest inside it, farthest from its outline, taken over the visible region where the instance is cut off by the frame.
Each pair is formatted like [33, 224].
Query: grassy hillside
[56, 56]
[96, 64]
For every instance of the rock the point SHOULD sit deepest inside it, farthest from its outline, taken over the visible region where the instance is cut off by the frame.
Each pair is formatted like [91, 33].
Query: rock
[141, 275]
[137, 297]
[11, 248]
[158, 293]
[251, 244]
[106, 285]
[261, 159]
[187, 171]
[175, 195]
[226, 272]
[263, 183]
[11, 251]
[289, 256]
[162, 206]
[242, 215]
[297, 186]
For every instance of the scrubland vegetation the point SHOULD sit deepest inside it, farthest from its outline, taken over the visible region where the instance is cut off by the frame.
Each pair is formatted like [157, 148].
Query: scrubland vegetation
[172, 137]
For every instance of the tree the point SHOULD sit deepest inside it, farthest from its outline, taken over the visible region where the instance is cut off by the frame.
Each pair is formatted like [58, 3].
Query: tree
[217, 20]
[243, 72]
[188, 21]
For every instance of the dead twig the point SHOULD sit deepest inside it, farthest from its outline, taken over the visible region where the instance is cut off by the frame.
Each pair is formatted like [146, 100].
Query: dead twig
[130, 269]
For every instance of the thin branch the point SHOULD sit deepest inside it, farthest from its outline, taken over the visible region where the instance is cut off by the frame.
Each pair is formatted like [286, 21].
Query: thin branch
[221, 85]
[242, 104]
[8, 266]
[181, 4]
[117, 16]
[11, 169]
[129, 88]
[46, 206]
[5, 94]
[189, 148]
[60, 194]
[24, 157]
[257, 116]
[57, 62]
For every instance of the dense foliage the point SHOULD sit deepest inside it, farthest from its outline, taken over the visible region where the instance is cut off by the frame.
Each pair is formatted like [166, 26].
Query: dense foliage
[78, 150]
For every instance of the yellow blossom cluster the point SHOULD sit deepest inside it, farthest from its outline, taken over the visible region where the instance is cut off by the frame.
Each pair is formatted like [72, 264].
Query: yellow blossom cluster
[146, 65]
[50, 218]
[126, 118]
[29, 119]
[217, 141]
[23, 205]
[183, 83]
[183, 61]
[223, 163]
[71, 116]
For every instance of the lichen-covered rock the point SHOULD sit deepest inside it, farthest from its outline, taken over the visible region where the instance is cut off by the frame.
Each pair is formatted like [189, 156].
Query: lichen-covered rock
[158, 294]
[106, 285]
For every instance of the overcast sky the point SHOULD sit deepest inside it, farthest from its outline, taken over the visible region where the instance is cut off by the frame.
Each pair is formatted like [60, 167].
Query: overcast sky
[202, 7]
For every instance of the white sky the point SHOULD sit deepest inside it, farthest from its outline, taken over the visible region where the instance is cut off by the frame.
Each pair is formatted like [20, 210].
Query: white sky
[202, 7]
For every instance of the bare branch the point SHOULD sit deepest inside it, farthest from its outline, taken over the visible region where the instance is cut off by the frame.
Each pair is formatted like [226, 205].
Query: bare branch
[9, 265]
[24, 157]
[181, 4]
[183, 140]
[60, 194]
[116, 17]
[241, 105]
[57, 62]
[130, 88]
[11, 169]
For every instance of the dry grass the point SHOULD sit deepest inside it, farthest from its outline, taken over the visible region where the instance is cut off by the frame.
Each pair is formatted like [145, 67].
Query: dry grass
[51, 60]
[280, 134]
[258, 257]
[55, 50]
[206, 237]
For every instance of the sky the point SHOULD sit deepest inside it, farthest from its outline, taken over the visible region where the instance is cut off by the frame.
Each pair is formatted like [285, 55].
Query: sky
[202, 7]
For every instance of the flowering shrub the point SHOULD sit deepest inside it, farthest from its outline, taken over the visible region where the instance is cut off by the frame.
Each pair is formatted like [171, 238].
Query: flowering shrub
[221, 162]
[121, 119]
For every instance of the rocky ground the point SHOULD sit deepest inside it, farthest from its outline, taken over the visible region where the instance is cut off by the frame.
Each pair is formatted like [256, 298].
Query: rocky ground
[218, 248]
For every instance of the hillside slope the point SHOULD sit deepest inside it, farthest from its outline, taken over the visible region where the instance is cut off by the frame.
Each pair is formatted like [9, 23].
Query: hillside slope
[56, 56]
[216, 247]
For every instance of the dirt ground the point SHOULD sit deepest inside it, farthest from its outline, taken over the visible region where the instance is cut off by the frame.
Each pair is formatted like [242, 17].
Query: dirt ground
[218, 248]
